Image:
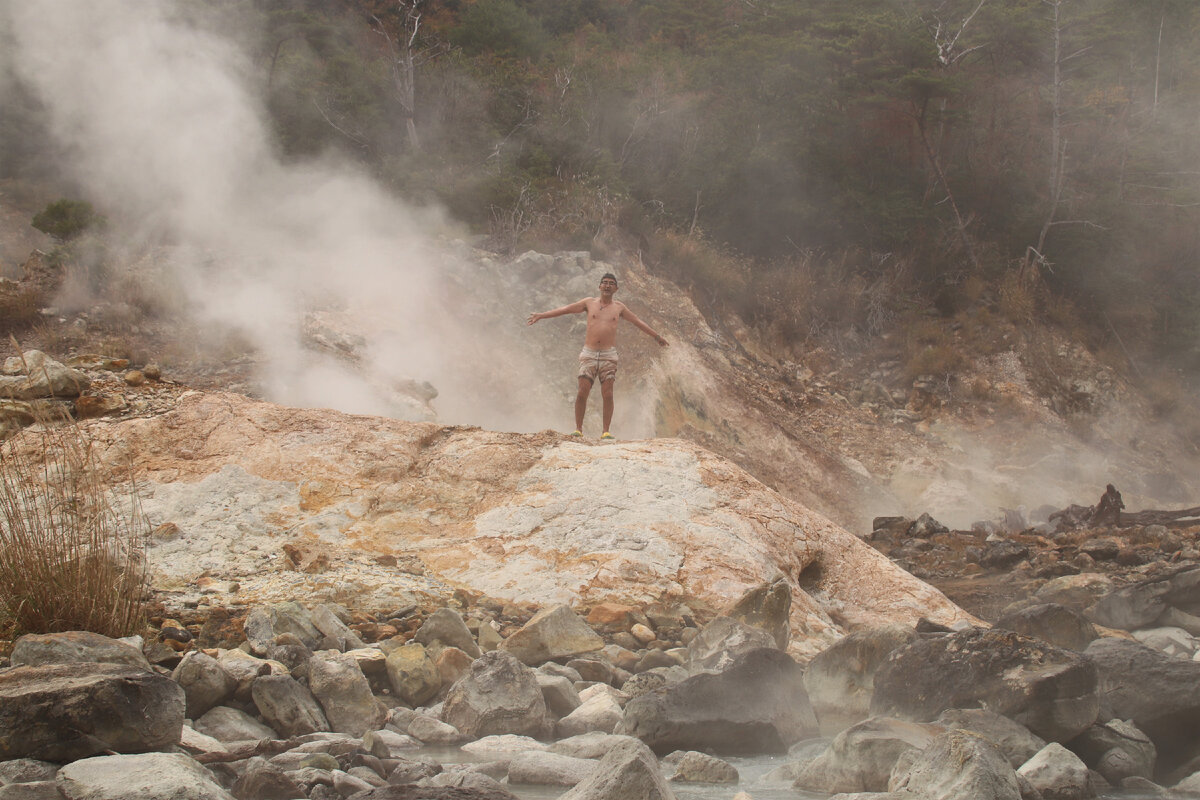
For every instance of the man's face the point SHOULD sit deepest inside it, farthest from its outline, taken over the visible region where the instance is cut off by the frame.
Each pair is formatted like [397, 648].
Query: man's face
[608, 286]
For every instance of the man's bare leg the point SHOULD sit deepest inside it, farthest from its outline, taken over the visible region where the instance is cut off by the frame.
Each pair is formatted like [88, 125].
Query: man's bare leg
[606, 393]
[585, 388]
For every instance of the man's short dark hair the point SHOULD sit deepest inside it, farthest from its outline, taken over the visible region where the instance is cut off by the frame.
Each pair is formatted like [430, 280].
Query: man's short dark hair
[608, 275]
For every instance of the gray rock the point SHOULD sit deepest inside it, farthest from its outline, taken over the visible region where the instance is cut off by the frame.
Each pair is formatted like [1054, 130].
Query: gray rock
[227, 724]
[757, 704]
[629, 771]
[1075, 591]
[446, 627]
[600, 712]
[433, 731]
[264, 623]
[415, 792]
[244, 668]
[1058, 774]
[588, 745]
[502, 747]
[597, 669]
[954, 766]
[345, 695]
[413, 674]
[721, 641]
[1117, 750]
[1051, 623]
[74, 647]
[862, 757]
[68, 711]
[544, 768]
[1172, 641]
[1158, 693]
[1047, 689]
[467, 779]
[150, 776]
[1018, 743]
[263, 780]
[346, 784]
[694, 767]
[1131, 607]
[500, 695]
[205, 682]
[327, 622]
[646, 682]
[767, 607]
[388, 744]
[288, 706]
[840, 679]
[34, 790]
[42, 377]
[26, 770]
[559, 693]
[552, 633]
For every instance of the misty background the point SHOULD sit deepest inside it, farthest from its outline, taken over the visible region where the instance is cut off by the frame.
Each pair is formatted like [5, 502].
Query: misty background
[897, 195]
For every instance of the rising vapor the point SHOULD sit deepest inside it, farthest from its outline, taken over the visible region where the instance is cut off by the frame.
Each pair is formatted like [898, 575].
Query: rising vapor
[160, 124]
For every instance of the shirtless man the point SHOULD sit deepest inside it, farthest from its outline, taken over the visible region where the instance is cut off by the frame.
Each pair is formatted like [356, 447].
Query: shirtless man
[599, 356]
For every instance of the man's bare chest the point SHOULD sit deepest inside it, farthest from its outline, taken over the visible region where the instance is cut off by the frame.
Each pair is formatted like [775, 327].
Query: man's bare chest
[604, 315]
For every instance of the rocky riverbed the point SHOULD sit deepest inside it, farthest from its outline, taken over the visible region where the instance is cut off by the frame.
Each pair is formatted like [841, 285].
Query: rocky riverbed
[467, 700]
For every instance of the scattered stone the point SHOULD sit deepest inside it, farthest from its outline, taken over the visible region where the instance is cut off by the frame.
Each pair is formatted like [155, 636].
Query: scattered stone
[629, 771]
[1051, 623]
[600, 712]
[841, 679]
[62, 712]
[544, 768]
[1159, 694]
[445, 626]
[756, 705]
[345, 695]
[861, 758]
[767, 607]
[957, 765]
[288, 706]
[1013, 739]
[26, 770]
[500, 695]
[151, 776]
[74, 647]
[413, 674]
[205, 682]
[1057, 774]
[553, 633]
[227, 724]
[35, 375]
[721, 641]
[694, 767]
[1047, 689]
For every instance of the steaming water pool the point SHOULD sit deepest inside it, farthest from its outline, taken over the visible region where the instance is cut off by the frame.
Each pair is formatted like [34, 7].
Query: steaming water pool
[751, 770]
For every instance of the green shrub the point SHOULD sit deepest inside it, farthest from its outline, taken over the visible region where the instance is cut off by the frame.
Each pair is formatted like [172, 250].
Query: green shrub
[66, 219]
[69, 560]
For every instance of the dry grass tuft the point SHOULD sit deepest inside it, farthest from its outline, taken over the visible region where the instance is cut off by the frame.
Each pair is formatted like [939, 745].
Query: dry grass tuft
[69, 559]
[19, 309]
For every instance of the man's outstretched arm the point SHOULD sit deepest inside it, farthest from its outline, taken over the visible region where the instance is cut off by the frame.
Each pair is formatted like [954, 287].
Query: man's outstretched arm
[574, 308]
[643, 327]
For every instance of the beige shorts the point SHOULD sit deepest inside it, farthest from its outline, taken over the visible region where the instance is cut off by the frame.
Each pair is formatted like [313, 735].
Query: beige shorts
[600, 364]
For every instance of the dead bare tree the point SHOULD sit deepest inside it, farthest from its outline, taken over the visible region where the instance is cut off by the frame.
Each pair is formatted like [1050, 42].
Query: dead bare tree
[946, 37]
[1035, 255]
[406, 54]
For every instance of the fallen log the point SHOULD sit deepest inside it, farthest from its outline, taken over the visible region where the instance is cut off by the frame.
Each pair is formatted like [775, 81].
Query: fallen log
[1109, 513]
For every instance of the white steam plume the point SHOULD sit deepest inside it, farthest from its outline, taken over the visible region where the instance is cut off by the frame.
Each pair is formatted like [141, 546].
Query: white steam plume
[158, 121]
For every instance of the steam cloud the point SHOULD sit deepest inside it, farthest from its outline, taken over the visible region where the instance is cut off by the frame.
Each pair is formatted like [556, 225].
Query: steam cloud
[157, 118]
